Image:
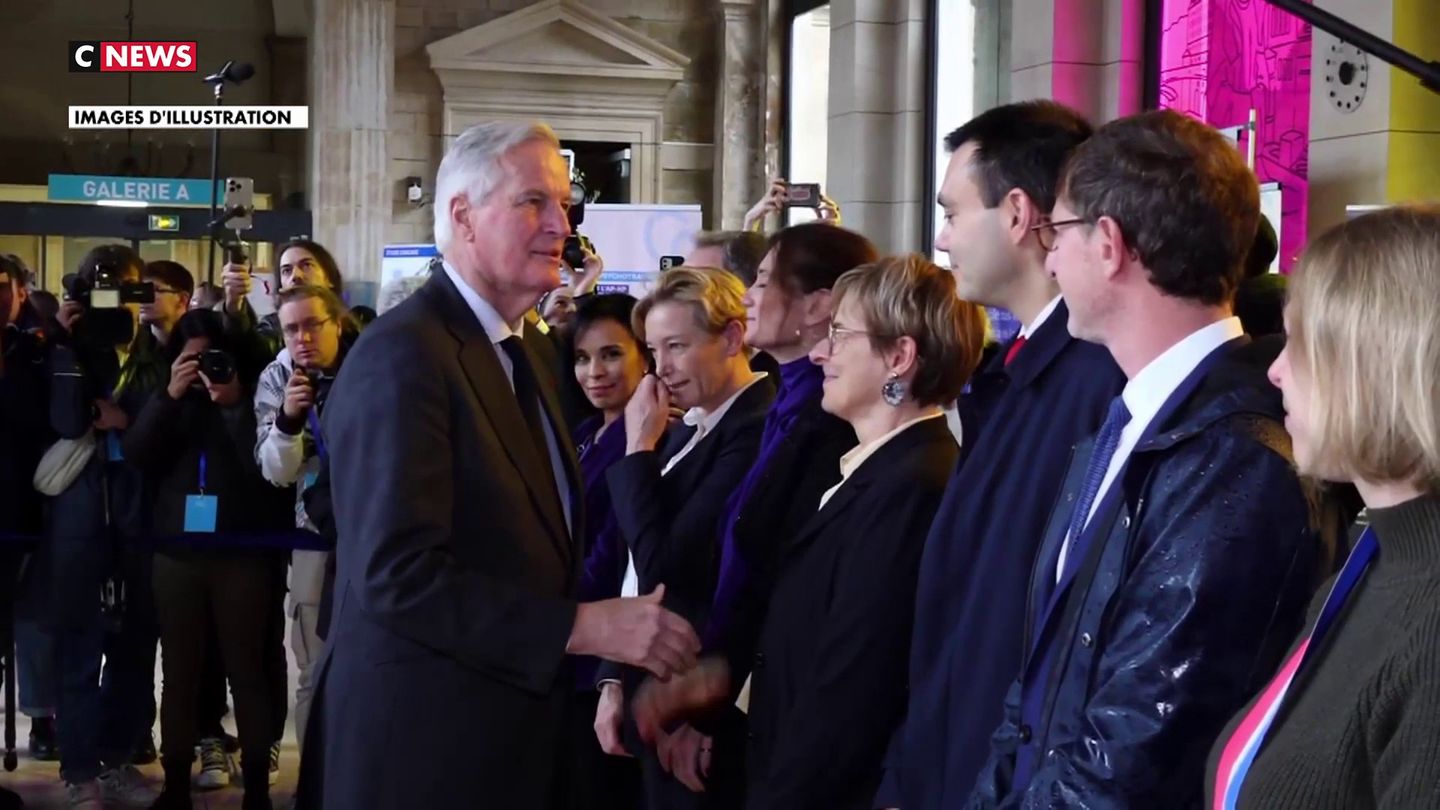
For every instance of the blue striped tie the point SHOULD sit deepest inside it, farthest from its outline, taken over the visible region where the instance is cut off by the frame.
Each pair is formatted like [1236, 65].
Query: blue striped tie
[1106, 442]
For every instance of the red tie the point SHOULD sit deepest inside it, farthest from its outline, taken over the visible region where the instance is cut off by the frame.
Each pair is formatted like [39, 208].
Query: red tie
[1014, 349]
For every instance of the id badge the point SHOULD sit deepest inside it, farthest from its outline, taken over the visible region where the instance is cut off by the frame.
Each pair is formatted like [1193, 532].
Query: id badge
[311, 477]
[112, 447]
[201, 512]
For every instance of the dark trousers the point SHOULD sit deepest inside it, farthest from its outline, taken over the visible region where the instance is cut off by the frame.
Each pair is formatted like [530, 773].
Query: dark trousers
[214, 697]
[230, 596]
[596, 780]
[101, 717]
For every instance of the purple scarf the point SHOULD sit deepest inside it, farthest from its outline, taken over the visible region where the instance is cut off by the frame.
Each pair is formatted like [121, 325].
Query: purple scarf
[801, 383]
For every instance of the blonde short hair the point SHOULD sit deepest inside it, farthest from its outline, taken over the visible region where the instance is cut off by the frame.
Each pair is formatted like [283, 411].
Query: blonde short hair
[714, 296]
[909, 296]
[1362, 323]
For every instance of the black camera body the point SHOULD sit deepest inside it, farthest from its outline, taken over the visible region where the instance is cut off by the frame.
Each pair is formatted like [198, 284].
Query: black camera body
[217, 366]
[574, 254]
[104, 299]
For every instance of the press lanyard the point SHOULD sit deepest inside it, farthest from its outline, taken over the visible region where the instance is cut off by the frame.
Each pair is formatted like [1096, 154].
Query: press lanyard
[1350, 575]
[202, 473]
[314, 422]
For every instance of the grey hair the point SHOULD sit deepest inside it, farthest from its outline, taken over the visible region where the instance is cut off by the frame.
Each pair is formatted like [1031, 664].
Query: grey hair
[471, 166]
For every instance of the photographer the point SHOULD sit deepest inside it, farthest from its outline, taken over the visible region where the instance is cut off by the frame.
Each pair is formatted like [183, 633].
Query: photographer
[302, 262]
[24, 435]
[212, 571]
[291, 449]
[101, 373]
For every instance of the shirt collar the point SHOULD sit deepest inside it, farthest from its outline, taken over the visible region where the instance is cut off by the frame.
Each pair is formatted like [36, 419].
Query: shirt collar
[851, 461]
[1029, 329]
[1146, 394]
[705, 422]
[494, 325]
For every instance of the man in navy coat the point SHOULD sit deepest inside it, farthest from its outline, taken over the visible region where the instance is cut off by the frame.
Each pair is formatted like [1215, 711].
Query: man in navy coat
[1025, 412]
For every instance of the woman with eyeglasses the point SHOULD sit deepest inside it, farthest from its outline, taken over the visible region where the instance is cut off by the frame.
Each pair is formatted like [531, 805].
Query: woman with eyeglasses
[827, 673]
[290, 449]
[1352, 716]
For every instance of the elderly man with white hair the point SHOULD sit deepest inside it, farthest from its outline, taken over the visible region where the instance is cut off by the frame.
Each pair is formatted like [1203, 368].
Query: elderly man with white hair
[457, 500]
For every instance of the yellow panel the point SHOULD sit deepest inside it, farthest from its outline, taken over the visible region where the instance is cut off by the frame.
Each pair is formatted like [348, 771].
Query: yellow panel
[1412, 107]
[1414, 167]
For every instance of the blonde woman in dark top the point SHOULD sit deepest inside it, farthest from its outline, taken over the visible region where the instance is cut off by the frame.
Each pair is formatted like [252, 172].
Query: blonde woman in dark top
[1352, 718]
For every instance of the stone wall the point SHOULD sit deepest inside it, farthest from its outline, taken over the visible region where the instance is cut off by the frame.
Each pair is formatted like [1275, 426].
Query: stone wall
[416, 141]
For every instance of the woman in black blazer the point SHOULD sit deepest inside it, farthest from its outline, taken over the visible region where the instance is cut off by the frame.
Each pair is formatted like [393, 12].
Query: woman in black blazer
[827, 672]
[789, 311]
[668, 497]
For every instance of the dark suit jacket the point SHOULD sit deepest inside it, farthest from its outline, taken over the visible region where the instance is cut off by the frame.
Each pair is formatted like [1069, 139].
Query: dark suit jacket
[1021, 426]
[828, 682]
[444, 682]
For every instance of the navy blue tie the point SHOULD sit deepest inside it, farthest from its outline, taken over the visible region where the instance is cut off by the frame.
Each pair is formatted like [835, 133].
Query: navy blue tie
[1106, 442]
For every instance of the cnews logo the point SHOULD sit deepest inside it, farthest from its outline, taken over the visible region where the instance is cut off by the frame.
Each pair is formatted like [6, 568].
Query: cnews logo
[131, 57]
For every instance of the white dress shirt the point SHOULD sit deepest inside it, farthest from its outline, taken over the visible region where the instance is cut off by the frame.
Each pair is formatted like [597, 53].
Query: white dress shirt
[704, 424]
[497, 330]
[1029, 329]
[1146, 394]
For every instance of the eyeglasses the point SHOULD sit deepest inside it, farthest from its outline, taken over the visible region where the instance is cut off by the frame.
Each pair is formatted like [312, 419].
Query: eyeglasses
[836, 333]
[310, 328]
[1047, 233]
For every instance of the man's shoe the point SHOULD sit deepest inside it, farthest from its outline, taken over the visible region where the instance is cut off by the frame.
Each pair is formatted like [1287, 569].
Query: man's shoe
[84, 796]
[42, 740]
[215, 765]
[127, 787]
[145, 752]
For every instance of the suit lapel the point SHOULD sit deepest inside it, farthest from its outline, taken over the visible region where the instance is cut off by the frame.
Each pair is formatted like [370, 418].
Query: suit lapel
[551, 404]
[492, 389]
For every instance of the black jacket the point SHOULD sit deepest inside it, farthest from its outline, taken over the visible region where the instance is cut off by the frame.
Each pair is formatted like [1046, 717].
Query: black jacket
[804, 466]
[1194, 579]
[671, 523]
[167, 442]
[828, 682]
[24, 423]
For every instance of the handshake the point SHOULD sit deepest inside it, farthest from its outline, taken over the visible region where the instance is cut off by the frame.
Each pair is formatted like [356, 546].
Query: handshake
[637, 631]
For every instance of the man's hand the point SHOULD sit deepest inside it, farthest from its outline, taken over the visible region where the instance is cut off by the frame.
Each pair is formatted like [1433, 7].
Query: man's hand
[829, 210]
[686, 755]
[772, 203]
[609, 714]
[583, 282]
[299, 395]
[184, 372]
[657, 704]
[69, 314]
[237, 281]
[111, 416]
[646, 415]
[636, 631]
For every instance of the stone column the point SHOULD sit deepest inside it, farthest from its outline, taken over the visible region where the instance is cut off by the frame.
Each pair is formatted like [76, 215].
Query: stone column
[875, 167]
[1084, 53]
[352, 74]
[739, 130]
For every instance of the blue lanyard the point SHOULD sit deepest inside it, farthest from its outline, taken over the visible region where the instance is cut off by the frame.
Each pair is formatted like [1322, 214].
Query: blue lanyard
[314, 423]
[1355, 567]
[202, 473]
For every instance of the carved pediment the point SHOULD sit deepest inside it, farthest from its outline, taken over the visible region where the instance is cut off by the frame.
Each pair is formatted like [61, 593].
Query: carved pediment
[558, 37]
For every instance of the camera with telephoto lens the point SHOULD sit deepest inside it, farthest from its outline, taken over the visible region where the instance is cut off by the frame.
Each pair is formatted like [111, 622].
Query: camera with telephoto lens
[103, 298]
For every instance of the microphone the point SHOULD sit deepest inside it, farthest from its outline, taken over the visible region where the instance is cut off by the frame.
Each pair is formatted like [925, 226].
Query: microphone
[233, 72]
